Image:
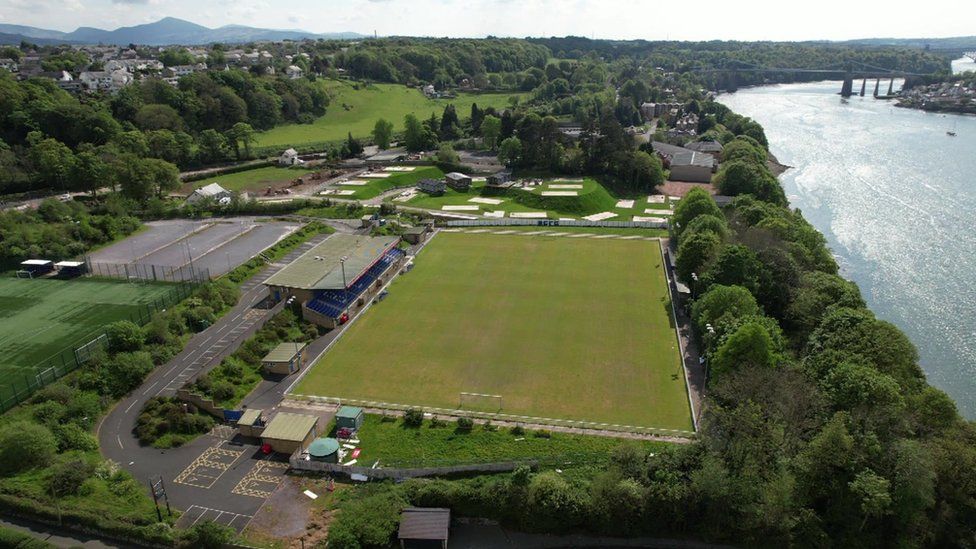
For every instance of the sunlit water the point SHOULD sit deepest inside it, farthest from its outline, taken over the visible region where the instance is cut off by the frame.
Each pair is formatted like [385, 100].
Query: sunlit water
[896, 198]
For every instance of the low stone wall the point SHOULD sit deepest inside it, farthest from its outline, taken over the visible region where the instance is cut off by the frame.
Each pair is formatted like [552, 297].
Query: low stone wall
[299, 464]
[200, 402]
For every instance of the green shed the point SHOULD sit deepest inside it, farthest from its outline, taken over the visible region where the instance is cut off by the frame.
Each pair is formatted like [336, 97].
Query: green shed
[350, 417]
[324, 449]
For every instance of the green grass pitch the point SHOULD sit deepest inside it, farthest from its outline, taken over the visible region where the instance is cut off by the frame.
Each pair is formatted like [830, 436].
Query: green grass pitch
[41, 317]
[568, 328]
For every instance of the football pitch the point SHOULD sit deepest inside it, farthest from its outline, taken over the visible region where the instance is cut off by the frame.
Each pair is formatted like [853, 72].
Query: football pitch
[41, 317]
[563, 328]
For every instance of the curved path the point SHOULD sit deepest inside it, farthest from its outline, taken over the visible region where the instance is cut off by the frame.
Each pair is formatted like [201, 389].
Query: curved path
[206, 349]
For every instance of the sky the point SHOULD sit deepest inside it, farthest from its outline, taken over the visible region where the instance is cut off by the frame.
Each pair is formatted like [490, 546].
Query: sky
[621, 19]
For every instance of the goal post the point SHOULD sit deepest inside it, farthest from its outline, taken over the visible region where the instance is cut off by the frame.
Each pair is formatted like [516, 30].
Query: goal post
[479, 401]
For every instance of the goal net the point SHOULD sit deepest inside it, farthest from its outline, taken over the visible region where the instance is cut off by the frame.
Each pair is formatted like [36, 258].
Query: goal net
[480, 402]
[25, 274]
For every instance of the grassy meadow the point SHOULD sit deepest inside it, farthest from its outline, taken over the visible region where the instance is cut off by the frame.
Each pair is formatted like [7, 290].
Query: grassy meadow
[573, 329]
[252, 180]
[356, 111]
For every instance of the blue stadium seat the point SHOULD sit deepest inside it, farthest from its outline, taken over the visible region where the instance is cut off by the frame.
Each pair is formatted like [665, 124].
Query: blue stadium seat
[332, 303]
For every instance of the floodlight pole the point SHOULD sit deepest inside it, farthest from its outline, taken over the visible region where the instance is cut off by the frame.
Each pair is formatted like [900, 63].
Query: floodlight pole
[345, 288]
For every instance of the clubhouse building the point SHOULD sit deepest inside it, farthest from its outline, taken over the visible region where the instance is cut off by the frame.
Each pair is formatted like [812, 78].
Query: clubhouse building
[338, 276]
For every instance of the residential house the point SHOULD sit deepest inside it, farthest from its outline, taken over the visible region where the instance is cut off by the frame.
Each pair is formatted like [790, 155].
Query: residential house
[685, 164]
[179, 71]
[8, 64]
[713, 148]
[289, 158]
[433, 187]
[429, 90]
[500, 178]
[458, 181]
[212, 191]
[105, 80]
[294, 72]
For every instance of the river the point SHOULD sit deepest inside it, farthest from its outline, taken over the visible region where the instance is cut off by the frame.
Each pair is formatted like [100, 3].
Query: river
[895, 197]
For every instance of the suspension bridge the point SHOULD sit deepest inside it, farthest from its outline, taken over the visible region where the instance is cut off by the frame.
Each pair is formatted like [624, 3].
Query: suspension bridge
[847, 72]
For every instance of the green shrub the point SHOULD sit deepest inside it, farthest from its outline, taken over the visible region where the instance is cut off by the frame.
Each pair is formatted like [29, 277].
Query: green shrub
[222, 390]
[436, 422]
[71, 436]
[68, 476]
[124, 336]
[13, 538]
[207, 535]
[542, 433]
[518, 430]
[25, 445]
[413, 417]
[465, 424]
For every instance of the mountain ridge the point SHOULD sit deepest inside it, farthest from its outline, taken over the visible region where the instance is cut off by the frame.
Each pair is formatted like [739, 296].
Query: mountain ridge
[164, 32]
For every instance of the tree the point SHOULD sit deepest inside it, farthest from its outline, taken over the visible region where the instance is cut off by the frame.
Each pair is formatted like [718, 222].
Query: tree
[447, 155]
[707, 223]
[417, 136]
[239, 134]
[383, 133]
[213, 145]
[158, 117]
[89, 172]
[854, 385]
[694, 252]
[53, 162]
[747, 177]
[873, 492]
[748, 347]
[722, 304]
[696, 202]
[510, 151]
[736, 265]
[25, 445]
[491, 127]
[450, 126]
[353, 146]
[124, 335]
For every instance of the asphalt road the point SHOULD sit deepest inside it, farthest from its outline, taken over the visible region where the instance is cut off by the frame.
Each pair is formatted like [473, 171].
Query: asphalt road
[205, 350]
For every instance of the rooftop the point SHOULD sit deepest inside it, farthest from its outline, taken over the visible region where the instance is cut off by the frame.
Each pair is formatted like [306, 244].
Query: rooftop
[212, 189]
[424, 523]
[284, 352]
[692, 158]
[289, 426]
[349, 411]
[321, 267]
[250, 416]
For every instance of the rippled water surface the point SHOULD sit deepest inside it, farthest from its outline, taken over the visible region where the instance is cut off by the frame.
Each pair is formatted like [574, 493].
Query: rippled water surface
[896, 198]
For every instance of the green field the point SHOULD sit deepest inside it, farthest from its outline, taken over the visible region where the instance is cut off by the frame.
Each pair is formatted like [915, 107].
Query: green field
[41, 317]
[251, 180]
[592, 198]
[356, 110]
[562, 328]
[375, 187]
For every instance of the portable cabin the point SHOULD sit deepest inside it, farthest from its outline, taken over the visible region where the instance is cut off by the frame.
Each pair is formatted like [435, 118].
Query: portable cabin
[350, 417]
[286, 358]
[37, 267]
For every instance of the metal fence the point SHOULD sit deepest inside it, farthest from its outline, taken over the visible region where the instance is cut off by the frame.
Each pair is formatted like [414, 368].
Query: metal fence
[156, 273]
[509, 222]
[501, 416]
[19, 385]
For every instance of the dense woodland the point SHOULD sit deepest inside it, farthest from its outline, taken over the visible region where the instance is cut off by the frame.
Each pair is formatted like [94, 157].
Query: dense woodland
[137, 140]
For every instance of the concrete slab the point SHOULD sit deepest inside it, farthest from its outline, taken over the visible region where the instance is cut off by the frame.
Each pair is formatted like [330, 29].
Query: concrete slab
[565, 186]
[600, 216]
[376, 175]
[482, 200]
[460, 208]
[529, 215]
[560, 193]
[625, 204]
[353, 183]
[650, 219]
[495, 214]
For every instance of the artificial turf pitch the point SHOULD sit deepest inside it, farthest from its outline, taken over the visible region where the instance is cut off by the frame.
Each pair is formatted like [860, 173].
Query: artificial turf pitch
[568, 328]
[41, 317]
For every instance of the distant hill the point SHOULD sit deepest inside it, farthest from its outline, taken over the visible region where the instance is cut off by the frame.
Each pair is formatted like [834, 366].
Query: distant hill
[960, 43]
[166, 31]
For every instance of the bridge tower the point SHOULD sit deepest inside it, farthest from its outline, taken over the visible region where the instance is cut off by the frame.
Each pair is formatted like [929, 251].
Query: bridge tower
[891, 86]
[877, 84]
[847, 89]
[864, 84]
